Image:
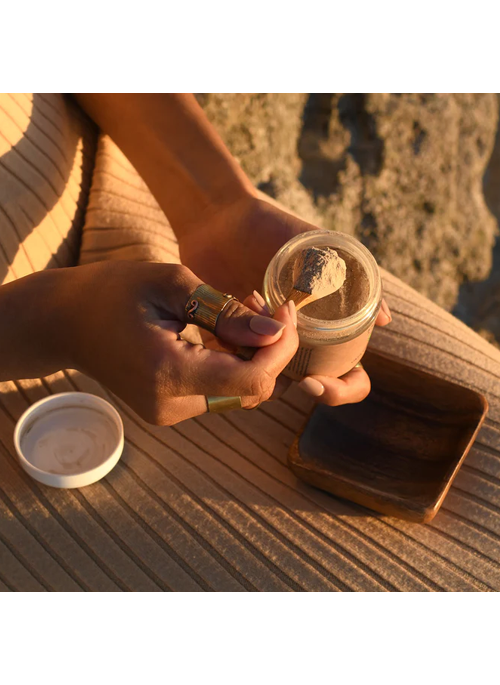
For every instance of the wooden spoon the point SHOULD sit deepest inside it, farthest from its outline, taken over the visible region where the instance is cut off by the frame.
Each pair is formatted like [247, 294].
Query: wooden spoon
[318, 272]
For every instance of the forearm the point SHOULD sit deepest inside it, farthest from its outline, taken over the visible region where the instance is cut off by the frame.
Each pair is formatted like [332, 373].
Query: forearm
[171, 143]
[34, 325]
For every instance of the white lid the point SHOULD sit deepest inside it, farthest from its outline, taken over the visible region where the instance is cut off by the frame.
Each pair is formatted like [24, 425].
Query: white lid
[69, 440]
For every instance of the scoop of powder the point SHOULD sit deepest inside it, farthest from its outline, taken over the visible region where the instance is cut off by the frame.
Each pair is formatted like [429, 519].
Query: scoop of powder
[348, 300]
[319, 271]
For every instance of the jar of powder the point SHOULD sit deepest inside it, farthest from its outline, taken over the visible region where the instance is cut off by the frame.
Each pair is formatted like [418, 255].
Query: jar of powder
[333, 331]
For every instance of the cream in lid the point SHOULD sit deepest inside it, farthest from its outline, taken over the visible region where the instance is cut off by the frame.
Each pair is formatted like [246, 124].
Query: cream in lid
[69, 440]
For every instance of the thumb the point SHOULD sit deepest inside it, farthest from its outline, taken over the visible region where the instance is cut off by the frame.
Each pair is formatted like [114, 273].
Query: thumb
[239, 325]
[236, 325]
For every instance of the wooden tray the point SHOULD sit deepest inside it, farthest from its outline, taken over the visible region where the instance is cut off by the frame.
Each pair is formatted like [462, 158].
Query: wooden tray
[398, 451]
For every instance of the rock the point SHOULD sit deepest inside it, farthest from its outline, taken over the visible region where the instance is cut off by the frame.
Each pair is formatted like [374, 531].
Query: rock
[424, 214]
[479, 303]
[262, 131]
[403, 172]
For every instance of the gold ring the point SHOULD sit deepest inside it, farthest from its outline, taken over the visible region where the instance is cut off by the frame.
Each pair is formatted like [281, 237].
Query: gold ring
[217, 405]
[205, 305]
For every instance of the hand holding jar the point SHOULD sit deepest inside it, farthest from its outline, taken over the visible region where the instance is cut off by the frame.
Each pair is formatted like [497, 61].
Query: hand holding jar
[333, 331]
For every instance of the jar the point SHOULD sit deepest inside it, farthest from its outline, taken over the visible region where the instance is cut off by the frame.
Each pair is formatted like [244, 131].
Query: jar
[328, 346]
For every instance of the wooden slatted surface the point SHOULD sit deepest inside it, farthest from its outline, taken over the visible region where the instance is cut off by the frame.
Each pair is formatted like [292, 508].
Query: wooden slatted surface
[209, 504]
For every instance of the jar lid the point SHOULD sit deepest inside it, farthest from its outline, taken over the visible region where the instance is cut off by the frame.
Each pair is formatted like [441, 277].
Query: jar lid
[69, 440]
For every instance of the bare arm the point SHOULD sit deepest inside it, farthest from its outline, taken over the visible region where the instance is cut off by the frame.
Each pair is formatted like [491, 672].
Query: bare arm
[171, 143]
[34, 325]
[100, 317]
[226, 232]
[119, 323]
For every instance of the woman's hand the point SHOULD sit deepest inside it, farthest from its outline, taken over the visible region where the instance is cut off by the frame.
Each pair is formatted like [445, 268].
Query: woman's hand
[232, 250]
[230, 246]
[226, 233]
[124, 331]
[119, 322]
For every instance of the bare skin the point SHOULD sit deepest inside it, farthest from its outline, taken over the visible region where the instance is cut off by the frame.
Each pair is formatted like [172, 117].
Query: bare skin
[226, 233]
[119, 322]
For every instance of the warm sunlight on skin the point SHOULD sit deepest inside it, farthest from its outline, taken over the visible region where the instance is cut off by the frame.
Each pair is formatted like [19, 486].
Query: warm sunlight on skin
[226, 237]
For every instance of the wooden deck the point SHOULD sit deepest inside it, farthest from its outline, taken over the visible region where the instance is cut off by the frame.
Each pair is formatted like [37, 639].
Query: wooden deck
[209, 504]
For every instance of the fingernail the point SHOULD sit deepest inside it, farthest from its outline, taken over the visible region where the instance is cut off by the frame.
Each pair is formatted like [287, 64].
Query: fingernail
[260, 300]
[312, 387]
[385, 308]
[265, 326]
[293, 312]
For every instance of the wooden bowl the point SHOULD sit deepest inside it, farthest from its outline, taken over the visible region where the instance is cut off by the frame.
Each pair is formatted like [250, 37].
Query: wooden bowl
[398, 451]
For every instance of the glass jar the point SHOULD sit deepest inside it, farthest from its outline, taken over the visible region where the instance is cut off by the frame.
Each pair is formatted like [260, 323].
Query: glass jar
[328, 347]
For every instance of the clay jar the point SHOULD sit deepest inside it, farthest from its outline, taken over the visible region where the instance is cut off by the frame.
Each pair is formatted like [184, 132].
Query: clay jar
[335, 330]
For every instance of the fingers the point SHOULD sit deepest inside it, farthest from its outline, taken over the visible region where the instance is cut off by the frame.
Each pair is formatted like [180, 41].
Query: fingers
[188, 369]
[257, 303]
[352, 387]
[384, 316]
[273, 359]
[183, 408]
[236, 325]
[348, 389]
[239, 325]
[221, 374]
[176, 409]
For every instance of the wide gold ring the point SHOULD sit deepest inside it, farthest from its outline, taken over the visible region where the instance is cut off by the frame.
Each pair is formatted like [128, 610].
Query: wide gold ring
[205, 305]
[217, 405]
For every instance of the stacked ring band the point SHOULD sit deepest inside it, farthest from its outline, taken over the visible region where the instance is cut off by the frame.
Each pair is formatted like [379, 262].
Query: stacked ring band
[205, 305]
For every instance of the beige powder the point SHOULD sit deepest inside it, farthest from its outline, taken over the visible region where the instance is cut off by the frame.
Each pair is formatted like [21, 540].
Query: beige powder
[348, 300]
[319, 271]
